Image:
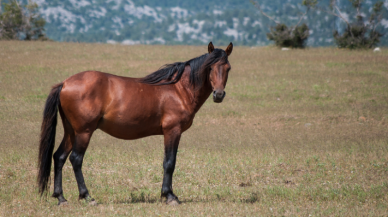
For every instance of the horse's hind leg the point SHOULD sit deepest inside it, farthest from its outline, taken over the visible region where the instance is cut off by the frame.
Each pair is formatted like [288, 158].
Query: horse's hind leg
[60, 157]
[76, 159]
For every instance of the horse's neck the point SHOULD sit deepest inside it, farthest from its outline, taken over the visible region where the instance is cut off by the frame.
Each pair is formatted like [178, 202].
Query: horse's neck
[196, 97]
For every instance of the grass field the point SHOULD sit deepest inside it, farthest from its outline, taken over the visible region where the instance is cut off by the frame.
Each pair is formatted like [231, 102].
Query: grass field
[300, 133]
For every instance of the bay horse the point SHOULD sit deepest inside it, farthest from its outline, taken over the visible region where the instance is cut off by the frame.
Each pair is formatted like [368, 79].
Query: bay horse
[162, 103]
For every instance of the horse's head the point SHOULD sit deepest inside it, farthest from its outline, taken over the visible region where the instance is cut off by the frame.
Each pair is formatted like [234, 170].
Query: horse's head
[219, 70]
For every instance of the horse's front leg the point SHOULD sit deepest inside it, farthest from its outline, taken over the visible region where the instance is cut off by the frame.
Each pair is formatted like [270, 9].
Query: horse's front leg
[171, 142]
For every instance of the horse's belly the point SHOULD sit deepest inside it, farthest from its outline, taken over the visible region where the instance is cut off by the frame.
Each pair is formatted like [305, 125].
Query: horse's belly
[130, 130]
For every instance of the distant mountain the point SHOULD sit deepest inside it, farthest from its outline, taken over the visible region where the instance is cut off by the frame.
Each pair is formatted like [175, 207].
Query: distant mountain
[184, 22]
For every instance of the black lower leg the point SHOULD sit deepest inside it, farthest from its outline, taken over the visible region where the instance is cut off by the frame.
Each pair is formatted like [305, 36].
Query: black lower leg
[170, 151]
[169, 167]
[60, 157]
[76, 160]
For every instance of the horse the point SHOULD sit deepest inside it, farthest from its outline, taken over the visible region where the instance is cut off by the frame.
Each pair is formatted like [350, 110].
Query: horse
[161, 103]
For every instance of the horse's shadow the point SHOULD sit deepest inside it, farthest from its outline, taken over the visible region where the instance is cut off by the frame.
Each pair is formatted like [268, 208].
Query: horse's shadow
[146, 198]
[138, 198]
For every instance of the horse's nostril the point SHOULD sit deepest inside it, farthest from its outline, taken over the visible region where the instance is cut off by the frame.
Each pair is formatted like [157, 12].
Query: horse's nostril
[218, 95]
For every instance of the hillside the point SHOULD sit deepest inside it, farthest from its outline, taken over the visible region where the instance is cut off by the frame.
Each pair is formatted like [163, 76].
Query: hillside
[183, 22]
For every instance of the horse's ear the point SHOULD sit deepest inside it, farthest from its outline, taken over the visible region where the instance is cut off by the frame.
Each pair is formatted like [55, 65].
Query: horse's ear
[229, 49]
[210, 47]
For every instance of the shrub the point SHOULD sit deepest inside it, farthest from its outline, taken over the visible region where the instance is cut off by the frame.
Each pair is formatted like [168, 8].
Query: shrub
[357, 36]
[360, 34]
[283, 36]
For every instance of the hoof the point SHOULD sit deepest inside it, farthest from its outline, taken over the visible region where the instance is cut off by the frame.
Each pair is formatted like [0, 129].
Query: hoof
[64, 203]
[93, 203]
[173, 202]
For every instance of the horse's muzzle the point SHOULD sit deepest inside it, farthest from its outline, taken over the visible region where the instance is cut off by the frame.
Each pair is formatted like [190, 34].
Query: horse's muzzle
[218, 96]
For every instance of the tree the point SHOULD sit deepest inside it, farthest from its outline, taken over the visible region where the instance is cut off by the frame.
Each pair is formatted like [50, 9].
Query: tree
[21, 22]
[294, 36]
[358, 34]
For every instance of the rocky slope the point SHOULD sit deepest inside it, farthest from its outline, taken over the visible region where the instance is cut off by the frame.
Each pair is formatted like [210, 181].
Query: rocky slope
[183, 22]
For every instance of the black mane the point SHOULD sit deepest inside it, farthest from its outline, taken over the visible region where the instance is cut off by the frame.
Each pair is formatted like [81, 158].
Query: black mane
[172, 73]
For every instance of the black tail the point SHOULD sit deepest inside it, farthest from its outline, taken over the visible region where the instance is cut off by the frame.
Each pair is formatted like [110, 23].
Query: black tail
[47, 137]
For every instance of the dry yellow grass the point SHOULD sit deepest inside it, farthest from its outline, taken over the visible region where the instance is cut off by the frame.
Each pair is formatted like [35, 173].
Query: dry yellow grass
[302, 132]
